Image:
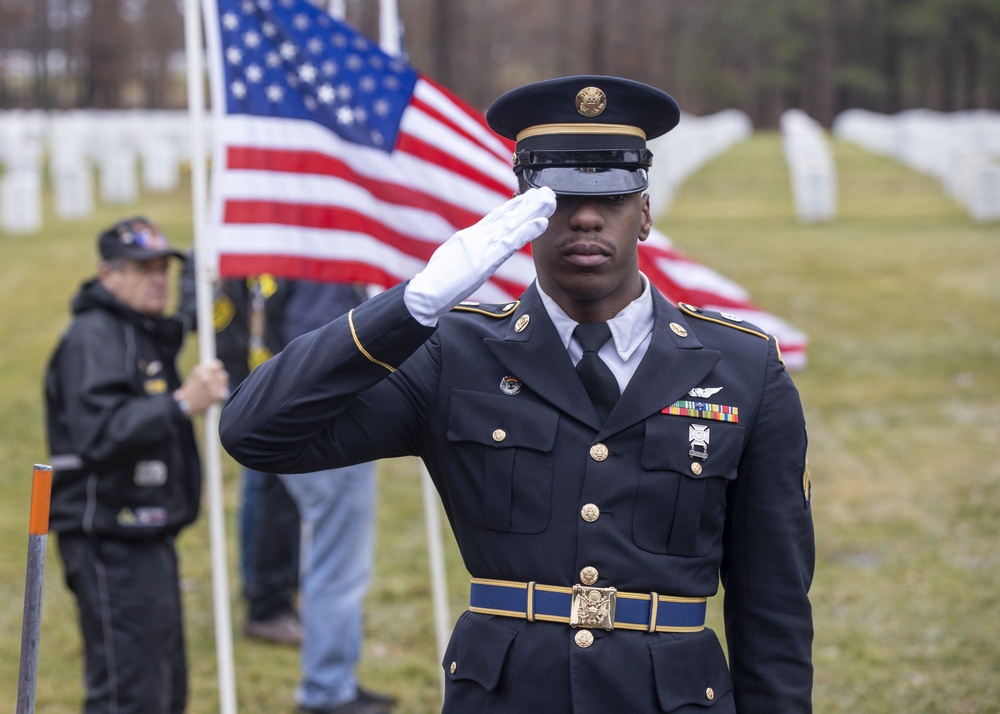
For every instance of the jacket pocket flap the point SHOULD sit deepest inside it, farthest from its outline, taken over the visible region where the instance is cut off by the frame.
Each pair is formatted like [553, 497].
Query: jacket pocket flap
[478, 417]
[674, 443]
[691, 670]
[477, 650]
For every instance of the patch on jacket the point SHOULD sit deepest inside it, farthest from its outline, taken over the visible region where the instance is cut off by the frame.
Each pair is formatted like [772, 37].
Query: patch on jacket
[142, 517]
[150, 473]
[155, 386]
[223, 312]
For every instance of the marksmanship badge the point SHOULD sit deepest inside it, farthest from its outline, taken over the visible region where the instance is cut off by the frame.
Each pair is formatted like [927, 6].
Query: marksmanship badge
[698, 435]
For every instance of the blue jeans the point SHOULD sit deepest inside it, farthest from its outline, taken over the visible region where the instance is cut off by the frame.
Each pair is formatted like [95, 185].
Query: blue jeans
[337, 508]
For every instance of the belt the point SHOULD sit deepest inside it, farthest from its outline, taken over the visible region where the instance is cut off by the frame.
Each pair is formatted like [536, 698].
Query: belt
[584, 606]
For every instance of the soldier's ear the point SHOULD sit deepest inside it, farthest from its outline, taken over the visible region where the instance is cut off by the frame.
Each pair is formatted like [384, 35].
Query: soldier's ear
[647, 219]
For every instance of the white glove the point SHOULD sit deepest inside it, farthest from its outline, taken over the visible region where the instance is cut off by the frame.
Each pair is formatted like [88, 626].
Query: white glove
[465, 261]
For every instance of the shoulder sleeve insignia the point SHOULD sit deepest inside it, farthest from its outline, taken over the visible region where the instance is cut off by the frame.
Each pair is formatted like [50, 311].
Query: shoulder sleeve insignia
[500, 310]
[720, 318]
[806, 484]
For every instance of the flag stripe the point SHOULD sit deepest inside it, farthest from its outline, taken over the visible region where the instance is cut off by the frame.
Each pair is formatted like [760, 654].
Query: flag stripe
[315, 163]
[410, 144]
[443, 103]
[323, 217]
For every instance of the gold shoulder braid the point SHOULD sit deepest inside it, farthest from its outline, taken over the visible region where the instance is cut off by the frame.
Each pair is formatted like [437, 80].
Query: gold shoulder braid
[722, 319]
[490, 310]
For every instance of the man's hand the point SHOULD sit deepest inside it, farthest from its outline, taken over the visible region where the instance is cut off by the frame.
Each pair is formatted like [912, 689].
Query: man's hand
[207, 384]
[465, 261]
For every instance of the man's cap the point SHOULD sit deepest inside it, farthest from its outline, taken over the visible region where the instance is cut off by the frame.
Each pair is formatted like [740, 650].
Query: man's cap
[135, 238]
[584, 135]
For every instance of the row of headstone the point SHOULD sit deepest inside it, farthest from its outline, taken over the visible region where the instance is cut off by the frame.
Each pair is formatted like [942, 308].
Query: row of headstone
[694, 142]
[124, 149]
[811, 167]
[960, 149]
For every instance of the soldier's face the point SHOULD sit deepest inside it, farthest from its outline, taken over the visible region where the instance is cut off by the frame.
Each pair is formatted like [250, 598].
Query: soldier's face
[587, 257]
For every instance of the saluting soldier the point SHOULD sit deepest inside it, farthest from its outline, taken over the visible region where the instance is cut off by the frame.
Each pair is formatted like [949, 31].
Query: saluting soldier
[603, 455]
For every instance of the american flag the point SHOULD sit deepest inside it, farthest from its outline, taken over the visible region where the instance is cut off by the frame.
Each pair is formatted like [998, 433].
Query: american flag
[333, 160]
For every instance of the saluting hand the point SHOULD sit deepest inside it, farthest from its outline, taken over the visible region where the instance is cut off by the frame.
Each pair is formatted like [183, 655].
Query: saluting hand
[465, 261]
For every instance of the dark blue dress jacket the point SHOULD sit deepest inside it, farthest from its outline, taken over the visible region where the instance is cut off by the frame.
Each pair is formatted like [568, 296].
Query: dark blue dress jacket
[376, 384]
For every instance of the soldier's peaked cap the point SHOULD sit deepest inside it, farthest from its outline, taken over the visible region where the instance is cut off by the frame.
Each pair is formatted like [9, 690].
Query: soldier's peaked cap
[584, 135]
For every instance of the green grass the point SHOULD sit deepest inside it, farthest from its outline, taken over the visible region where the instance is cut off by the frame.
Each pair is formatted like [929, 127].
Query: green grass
[900, 297]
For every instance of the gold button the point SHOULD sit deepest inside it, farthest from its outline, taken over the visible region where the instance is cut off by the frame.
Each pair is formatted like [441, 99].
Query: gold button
[521, 323]
[598, 452]
[590, 512]
[710, 694]
[584, 638]
[588, 576]
[695, 467]
[499, 435]
[454, 666]
[678, 329]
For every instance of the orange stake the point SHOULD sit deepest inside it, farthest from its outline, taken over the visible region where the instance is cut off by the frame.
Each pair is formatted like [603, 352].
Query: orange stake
[31, 625]
[41, 488]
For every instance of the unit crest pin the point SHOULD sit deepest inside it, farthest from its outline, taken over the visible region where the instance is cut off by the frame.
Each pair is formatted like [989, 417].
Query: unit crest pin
[510, 385]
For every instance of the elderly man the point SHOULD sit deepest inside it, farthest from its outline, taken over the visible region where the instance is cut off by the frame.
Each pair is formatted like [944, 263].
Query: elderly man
[603, 455]
[127, 476]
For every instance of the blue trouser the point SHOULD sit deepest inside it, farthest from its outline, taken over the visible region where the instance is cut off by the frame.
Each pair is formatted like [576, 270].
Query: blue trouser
[337, 508]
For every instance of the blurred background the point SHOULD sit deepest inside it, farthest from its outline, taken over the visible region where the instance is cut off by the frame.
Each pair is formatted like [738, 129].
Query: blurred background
[760, 56]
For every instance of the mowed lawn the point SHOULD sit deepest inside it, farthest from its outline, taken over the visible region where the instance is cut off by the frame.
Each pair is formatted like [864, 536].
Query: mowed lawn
[900, 298]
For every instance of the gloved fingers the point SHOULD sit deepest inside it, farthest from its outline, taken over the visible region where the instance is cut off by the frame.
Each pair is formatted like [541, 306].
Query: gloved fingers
[527, 232]
[523, 207]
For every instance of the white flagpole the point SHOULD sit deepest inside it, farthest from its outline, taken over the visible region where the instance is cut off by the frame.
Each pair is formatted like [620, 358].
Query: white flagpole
[388, 27]
[390, 42]
[204, 276]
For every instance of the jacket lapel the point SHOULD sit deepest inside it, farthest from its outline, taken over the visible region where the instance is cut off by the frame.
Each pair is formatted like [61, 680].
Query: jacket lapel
[536, 355]
[673, 364]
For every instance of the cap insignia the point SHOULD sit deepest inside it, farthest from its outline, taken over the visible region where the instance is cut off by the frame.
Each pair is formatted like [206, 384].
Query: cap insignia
[591, 101]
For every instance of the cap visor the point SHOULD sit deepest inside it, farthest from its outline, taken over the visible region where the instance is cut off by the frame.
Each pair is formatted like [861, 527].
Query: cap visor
[142, 254]
[587, 181]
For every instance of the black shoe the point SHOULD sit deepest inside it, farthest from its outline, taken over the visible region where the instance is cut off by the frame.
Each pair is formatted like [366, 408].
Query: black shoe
[384, 699]
[365, 703]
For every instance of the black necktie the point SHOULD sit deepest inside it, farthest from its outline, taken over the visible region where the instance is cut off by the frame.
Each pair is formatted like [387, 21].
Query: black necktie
[600, 383]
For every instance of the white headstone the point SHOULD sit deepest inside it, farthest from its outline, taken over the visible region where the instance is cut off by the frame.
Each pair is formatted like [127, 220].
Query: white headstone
[160, 170]
[21, 201]
[810, 167]
[73, 188]
[984, 203]
[118, 176]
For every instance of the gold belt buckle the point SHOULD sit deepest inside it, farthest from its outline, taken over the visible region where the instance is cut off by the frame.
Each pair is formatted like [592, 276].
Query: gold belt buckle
[593, 607]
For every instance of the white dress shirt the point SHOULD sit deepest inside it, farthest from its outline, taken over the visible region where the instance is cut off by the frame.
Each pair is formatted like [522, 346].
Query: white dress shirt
[631, 331]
